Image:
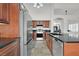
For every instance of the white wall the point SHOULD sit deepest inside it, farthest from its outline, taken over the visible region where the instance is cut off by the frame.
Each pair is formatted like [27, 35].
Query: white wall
[72, 14]
[52, 17]
[72, 19]
[42, 13]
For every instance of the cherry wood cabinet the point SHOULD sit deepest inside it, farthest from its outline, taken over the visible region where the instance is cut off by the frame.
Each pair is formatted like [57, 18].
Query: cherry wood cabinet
[34, 24]
[71, 49]
[65, 48]
[4, 13]
[34, 35]
[9, 50]
[45, 34]
[10, 13]
[46, 24]
[1, 7]
[49, 42]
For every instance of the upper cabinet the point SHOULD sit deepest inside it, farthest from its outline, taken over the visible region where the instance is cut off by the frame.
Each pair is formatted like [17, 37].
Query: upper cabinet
[46, 24]
[34, 24]
[39, 23]
[4, 13]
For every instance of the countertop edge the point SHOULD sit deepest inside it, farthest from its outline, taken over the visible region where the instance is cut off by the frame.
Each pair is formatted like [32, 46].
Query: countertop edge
[55, 37]
[12, 40]
[62, 40]
[6, 44]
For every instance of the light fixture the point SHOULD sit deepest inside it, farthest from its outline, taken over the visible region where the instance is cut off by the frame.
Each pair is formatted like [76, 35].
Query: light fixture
[22, 6]
[66, 12]
[38, 5]
[34, 5]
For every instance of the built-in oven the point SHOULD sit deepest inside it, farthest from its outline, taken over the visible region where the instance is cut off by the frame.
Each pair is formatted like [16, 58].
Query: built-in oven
[39, 35]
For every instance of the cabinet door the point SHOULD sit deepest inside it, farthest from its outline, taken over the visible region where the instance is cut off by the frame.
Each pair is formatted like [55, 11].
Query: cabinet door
[71, 49]
[4, 13]
[49, 42]
[11, 52]
[34, 35]
[34, 23]
[1, 11]
[46, 24]
[44, 36]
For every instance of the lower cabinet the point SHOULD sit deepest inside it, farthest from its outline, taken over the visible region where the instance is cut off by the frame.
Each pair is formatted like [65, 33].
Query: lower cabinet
[34, 35]
[49, 42]
[10, 50]
[60, 48]
[65, 49]
[71, 49]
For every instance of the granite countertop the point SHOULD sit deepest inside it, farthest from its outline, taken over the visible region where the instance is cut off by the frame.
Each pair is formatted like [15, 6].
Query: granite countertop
[68, 38]
[43, 30]
[6, 41]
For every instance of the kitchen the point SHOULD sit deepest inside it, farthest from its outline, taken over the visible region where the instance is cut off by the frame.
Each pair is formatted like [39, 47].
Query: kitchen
[62, 32]
[39, 29]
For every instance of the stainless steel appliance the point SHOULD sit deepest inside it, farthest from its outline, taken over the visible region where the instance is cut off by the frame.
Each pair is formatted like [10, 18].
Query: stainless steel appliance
[39, 33]
[57, 29]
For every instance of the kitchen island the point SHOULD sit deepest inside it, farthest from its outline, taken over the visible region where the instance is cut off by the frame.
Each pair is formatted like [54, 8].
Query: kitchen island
[65, 44]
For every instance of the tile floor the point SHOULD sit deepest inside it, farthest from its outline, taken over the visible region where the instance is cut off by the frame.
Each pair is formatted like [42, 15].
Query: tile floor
[38, 48]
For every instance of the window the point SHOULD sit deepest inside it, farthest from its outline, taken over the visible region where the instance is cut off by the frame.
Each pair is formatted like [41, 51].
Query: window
[73, 27]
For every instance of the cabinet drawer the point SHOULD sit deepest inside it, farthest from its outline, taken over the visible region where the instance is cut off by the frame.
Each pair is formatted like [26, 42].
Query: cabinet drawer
[71, 49]
[9, 50]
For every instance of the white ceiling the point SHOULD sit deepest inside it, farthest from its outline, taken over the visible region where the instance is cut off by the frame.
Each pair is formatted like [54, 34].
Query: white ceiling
[42, 13]
[59, 8]
[72, 8]
[45, 12]
[66, 5]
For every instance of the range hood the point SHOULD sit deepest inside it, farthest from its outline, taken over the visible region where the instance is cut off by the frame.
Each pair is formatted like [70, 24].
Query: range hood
[3, 21]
